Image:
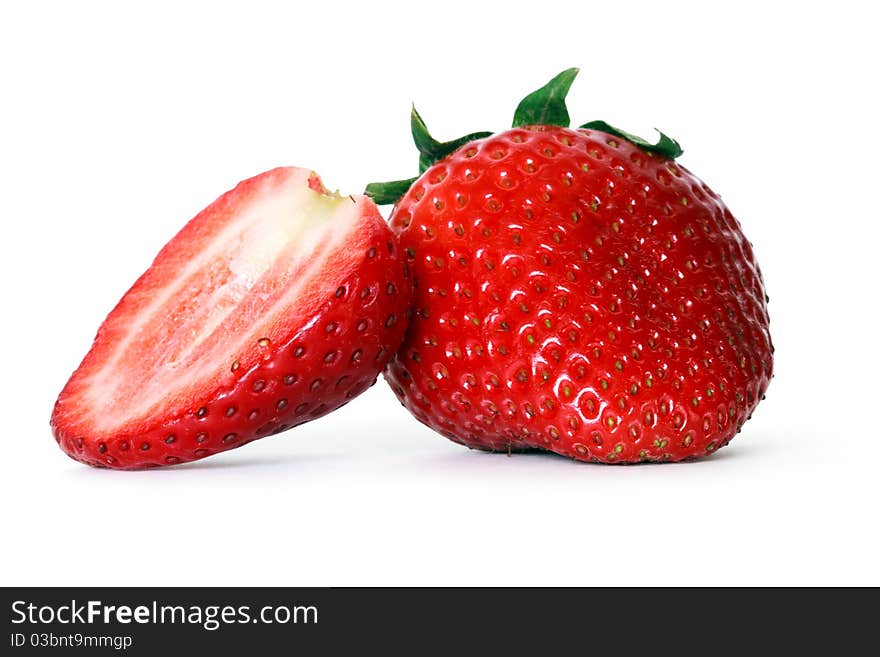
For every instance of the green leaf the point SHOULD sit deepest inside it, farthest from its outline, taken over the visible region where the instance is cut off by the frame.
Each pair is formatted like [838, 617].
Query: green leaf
[425, 163]
[431, 150]
[546, 106]
[387, 193]
[665, 146]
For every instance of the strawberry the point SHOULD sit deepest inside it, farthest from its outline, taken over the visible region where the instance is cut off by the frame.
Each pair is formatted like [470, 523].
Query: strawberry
[276, 304]
[576, 290]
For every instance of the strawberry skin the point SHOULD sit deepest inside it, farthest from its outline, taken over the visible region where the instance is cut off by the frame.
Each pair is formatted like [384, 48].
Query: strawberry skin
[579, 294]
[275, 305]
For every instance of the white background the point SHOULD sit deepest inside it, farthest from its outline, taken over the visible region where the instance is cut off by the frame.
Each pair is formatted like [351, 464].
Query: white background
[118, 124]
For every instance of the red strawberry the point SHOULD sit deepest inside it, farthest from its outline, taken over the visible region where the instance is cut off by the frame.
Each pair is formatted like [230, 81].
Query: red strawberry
[576, 290]
[276, 304]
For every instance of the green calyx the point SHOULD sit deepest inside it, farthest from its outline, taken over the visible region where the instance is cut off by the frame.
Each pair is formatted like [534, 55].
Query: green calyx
[545, 106]
[431, 150]
[388, 193]
[665, 146]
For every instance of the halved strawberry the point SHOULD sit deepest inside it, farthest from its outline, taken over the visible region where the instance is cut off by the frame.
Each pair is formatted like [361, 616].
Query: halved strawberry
[276, 304]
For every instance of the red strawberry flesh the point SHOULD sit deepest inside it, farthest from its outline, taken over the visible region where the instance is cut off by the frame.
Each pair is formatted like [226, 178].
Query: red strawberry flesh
[276, 304]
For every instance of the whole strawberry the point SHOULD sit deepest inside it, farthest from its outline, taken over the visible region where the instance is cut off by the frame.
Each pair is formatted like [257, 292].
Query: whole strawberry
[576, 290]
[276, 304]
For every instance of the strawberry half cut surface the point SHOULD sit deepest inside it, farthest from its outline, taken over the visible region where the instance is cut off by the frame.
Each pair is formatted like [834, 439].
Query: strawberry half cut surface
[575, 290]
[275, 305]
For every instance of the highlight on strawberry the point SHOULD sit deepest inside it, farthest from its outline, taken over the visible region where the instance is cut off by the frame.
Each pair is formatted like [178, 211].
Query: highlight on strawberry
[575, 290]
[275, 305]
